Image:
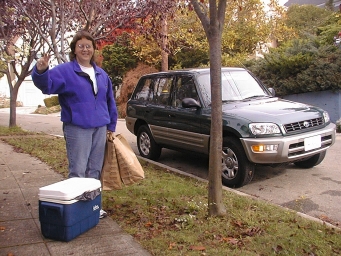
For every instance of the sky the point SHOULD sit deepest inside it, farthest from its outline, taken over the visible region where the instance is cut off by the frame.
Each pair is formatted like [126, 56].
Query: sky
[281, 2]
[266, 2]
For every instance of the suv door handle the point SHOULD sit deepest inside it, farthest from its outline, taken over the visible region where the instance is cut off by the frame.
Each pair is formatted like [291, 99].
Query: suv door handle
[171, 115]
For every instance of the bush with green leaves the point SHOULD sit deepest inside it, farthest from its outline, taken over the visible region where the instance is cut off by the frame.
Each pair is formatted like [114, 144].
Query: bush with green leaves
[52, 101]
[338, 125]
[308, 64]
[117, 60]
[189, 58]
[303, 66]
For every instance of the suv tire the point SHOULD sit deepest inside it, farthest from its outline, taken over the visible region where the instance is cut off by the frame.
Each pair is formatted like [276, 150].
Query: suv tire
[237, 170]
[146, 144]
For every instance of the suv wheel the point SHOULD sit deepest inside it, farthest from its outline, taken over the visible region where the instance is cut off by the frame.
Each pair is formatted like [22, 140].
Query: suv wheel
[312, 161]
[237, 170]
[146, 144]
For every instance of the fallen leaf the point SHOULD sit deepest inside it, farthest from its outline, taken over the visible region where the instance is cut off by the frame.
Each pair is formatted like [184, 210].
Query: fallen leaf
[278, 249]
[325, 218]
[231, 240]
[252, 231]
[197, 248]
[238, 223]
[171, 245]
[148, 224]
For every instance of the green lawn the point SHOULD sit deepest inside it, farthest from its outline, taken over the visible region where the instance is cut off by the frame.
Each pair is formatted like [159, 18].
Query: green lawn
[167, 212]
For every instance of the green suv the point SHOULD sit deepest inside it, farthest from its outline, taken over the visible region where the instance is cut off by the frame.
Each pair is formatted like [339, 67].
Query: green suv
[173, 110]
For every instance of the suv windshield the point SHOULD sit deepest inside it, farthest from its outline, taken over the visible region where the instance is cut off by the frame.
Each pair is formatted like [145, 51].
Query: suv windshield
[236, 85]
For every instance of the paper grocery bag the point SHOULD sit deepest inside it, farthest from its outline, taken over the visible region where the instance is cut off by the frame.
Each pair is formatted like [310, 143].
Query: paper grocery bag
[130, 168]
[110, 176]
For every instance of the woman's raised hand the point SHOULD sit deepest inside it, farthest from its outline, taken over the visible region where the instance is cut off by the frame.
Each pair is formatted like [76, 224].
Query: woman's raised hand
[43, 63]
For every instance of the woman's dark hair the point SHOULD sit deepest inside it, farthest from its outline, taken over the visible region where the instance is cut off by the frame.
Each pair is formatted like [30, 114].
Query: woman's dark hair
[78, 36]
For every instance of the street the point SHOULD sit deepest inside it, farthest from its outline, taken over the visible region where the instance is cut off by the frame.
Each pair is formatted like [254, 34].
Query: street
[315, 192]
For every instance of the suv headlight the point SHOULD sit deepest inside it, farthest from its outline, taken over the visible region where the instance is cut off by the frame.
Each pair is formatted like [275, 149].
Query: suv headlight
[264, 128]
[326, 116]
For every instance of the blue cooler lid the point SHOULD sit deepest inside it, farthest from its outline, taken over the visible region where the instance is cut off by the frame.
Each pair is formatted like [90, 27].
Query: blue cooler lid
[69, 189]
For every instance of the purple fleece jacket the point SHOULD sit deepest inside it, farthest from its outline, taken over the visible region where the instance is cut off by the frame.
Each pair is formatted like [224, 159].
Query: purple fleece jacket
[79, 103]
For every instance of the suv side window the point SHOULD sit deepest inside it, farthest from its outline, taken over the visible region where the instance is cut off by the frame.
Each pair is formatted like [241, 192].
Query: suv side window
[144, 92]
[184, 88]
[154, 90]
[162, 86]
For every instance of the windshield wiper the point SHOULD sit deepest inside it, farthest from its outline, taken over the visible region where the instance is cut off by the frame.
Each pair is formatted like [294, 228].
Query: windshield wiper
[227, 101]
[256, 96]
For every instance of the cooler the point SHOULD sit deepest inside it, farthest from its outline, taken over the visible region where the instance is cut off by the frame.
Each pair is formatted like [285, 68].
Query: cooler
[69, 208]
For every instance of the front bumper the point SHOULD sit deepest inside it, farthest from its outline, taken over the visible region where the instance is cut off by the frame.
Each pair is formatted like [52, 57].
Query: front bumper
[290, 148]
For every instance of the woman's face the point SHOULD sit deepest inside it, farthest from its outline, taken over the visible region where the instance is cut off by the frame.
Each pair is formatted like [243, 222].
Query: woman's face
[84, 51]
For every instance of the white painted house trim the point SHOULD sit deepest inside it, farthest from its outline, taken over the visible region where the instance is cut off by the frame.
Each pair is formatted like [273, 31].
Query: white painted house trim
[28, 94]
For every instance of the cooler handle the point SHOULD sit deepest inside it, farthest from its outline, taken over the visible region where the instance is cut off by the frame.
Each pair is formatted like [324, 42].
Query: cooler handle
[54, 207]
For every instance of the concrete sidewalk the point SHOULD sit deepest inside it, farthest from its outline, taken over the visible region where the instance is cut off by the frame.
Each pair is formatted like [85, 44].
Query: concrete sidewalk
[21, 176]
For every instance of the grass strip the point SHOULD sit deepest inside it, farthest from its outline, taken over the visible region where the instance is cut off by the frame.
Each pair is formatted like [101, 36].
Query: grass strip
[167, 212]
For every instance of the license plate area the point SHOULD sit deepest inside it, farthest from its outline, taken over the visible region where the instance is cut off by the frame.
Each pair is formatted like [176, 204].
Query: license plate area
[312, 143]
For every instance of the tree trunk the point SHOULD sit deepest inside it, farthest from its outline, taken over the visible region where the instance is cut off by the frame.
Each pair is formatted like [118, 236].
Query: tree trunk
[13, 97]
[213, 25]
[216, 206]
[164, 44]
[13, 103]
[13, 109]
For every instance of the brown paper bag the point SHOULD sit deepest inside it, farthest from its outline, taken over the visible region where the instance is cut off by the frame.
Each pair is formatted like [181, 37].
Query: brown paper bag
[130, 168]
[110, 176]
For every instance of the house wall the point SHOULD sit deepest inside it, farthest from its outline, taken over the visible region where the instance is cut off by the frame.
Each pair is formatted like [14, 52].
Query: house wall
[28, 94]
[327, 100]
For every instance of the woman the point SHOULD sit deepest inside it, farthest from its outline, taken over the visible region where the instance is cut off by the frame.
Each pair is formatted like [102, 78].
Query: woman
[88, 108]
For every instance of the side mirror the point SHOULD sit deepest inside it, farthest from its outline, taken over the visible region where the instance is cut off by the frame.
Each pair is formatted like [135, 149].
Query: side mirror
[190, 103]
[272, 91]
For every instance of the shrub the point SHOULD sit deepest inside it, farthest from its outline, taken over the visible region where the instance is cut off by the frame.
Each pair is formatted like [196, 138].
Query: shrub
[117, 60]
[302, 67]
[52, 101]
[129, 82]
[338, 125]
